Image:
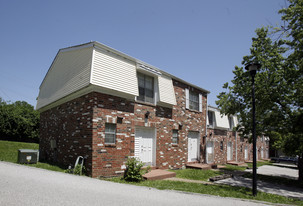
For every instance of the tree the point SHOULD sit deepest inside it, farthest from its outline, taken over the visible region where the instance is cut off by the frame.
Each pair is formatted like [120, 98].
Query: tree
[18, 121]
[279, 84]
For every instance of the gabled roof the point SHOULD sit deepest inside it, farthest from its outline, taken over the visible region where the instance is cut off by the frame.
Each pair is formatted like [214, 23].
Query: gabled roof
[141, 63]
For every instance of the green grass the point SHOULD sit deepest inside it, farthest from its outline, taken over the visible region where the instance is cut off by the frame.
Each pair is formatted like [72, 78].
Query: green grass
[259, 164]
[9, 153]
[233, 168]
[195, 174]
[9, 150]
[218, 190]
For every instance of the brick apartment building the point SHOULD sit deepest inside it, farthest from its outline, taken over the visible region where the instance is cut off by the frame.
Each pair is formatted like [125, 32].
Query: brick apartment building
[224, 144]
[106, 106]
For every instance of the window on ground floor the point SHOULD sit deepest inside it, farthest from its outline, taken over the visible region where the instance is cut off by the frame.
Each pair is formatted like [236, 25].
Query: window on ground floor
[175, 136]
[110, 133]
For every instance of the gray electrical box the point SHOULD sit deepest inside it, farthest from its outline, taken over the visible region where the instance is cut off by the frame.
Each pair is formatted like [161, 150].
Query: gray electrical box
[28, 156]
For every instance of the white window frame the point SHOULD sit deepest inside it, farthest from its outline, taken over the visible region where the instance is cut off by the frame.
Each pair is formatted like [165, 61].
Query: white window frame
[187, 102]
[175, 139]
[110, 133]
[153, 88]
[212, 114]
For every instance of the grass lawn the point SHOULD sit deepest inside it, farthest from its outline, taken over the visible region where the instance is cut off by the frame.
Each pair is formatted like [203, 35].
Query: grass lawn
[259, 164]
[9, 153]
[218, 190]
[233, 168]
[195, 174]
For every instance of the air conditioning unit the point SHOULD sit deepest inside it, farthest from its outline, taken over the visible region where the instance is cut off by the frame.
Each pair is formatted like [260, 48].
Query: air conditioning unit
[28, 156]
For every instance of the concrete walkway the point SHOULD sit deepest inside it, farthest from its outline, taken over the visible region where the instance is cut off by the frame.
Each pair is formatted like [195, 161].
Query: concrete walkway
[278, 189]
[278, 171]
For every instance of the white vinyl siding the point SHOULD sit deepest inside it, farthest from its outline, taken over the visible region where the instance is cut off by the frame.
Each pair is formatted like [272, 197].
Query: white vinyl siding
[186, 98]
[166, 90]
[113, 72]
[235, 121]
[69, 72]
[221, 121]
[200, 102]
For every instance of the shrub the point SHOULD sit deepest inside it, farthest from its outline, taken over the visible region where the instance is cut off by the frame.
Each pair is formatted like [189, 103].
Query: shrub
[134, 172]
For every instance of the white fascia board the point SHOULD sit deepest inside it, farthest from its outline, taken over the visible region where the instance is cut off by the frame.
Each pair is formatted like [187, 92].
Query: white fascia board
[86, 90]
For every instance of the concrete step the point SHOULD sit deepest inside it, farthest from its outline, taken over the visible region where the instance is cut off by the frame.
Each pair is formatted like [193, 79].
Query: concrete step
[158, 174]
[243, 164]
[199, 166]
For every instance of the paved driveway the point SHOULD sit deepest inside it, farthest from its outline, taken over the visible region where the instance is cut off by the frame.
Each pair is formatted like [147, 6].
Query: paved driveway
[22, 185]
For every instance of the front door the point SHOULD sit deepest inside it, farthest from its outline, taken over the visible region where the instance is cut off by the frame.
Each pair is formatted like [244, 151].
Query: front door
[210, 152]
[229, 151]
[246, 153]
[193, 145]
[145, 145]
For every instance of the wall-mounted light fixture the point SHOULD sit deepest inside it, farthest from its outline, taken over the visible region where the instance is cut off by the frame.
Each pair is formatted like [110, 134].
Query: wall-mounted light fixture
[147, 114]
[180, 126]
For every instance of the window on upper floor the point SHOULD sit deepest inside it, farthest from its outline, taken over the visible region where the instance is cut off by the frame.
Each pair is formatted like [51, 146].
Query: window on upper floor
[110, 133]
[231, 122]
[193, 101]
[211, 120]
[146, 88]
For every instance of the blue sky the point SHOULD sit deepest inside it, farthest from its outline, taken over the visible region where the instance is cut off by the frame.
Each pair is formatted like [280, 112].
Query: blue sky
[199, 41]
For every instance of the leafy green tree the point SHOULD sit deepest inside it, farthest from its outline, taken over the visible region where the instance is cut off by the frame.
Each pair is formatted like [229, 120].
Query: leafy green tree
[278, 84]
[19, 121]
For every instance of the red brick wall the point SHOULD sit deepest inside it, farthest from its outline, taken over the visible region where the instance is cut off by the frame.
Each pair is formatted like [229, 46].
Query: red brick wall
[78, 127]
[70, 126]
[220, 156]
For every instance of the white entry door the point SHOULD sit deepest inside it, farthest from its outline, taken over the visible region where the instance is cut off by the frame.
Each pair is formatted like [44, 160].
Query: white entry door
[193, 145]
[262, 153]
[210, 152]
[229, 151]
[145, 145]
[246, 153]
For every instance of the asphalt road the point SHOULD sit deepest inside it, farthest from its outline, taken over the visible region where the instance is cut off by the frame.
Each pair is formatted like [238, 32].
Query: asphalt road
[22, 185]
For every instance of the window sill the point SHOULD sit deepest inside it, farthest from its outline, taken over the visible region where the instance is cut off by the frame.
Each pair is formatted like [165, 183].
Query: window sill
[145, 103]
[193, 110]
[110, 144]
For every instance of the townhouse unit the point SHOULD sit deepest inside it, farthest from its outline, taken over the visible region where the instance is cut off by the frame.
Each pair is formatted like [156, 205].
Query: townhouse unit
[106, 106]
[224, 144]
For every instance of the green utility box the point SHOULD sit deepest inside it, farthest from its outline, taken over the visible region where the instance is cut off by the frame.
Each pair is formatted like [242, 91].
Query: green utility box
[28, 156]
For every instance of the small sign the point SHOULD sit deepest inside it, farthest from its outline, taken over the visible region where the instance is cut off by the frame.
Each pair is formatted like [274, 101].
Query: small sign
[28, 158]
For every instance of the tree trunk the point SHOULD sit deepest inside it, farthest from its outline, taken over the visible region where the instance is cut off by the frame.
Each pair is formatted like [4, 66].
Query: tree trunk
[300, 167]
